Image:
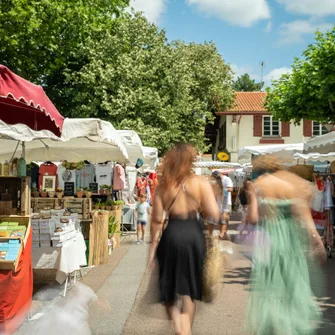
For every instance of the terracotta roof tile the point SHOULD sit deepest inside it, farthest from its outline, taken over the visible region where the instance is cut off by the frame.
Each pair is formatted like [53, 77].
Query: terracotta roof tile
[248, 102]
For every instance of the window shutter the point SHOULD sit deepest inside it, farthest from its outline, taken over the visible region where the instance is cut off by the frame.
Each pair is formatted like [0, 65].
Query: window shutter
[285, 129]
[307, 126]
[258, 125]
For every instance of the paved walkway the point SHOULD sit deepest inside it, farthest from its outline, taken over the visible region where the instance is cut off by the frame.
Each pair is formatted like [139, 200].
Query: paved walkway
[126, 290]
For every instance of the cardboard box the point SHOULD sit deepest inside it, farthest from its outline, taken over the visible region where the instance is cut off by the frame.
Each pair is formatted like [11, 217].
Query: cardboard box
[44, 237]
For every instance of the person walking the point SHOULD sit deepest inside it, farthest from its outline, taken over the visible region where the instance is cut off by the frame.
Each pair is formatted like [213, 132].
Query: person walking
[221, 200]
[281, 300]
[181, 250]
[142, 211]
[228, 187]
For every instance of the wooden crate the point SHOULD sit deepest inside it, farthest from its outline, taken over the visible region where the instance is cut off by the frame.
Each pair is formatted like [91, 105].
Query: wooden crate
[23, 221]
[81, 206]
[16, 190]
[39, 204]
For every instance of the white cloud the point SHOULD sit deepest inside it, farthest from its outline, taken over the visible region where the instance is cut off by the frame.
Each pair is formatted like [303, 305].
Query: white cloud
[242, 13]
[309, 7]
[275, 74]
[152, 9]
[294, 32]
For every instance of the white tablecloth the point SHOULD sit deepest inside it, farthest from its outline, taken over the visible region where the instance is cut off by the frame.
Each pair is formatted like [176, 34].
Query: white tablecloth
[65, 259]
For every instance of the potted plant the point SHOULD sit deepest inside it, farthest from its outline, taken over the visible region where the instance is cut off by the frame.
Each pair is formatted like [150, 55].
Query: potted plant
[102, 206]
[59, 193]
[119, 203]
[88, 193]
[34, 192]
[51, 194]
[109, 205]
[112, 227]
[108, 189]
[114, 206]
[97, 205]
[80, 192]
[43, 193]
[102, 190]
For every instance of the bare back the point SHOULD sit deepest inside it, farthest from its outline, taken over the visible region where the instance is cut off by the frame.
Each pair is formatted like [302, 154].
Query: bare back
[193, 196]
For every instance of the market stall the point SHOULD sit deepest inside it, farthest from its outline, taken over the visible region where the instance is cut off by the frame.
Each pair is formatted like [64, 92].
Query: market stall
[22, 104]
[283, 151]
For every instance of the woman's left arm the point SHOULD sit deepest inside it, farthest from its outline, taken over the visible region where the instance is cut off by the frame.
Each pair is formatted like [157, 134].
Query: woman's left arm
[156, 224]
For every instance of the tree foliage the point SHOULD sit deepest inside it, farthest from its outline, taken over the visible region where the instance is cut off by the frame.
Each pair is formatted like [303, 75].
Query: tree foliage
[134, 78]
[245, 84]
[95, 60]
[37, 37]
[309, 91]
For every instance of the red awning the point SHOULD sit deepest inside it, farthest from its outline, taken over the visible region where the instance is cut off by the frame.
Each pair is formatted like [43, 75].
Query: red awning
[24, 102]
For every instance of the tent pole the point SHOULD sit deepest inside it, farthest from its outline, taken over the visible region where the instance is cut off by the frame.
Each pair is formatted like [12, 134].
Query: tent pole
[24, 149]
[18, 143]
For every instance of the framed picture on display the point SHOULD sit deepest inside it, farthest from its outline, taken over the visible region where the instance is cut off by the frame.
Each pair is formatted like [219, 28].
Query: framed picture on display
[49, 183]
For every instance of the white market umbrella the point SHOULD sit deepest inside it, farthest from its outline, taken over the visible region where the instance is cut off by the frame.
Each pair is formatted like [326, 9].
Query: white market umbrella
[82, 139]
[285, 151]
[216, 165]
[323, 144]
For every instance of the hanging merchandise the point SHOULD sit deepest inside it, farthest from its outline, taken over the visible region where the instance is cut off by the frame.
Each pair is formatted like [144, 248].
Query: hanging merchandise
[6, 169]
[85, 176]
[65, 176]
[103, 174]
[139, 163]
[141, 185]
[33, 171]
[119, 181]
[13, 168]
[22, 167]
[46, 169]
[328, 201]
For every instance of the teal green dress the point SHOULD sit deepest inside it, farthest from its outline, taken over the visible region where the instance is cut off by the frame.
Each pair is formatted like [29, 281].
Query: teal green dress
[281, 301]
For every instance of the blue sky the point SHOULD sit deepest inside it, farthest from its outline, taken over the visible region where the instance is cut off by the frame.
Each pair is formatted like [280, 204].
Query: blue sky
[246, 32]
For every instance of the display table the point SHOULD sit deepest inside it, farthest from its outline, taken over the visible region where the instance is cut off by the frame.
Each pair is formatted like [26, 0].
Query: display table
[66, 259]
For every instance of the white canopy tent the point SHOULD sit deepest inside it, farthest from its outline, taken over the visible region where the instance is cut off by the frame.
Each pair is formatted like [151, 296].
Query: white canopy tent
[216, 165]
[323, 144]
[136, 149]
[315, 157]
[284, 151]
[82, 139]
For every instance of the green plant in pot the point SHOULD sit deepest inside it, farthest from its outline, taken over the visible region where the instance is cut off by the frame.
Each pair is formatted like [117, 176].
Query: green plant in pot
[119, 203]
[102, 206]
[80, 192]
[108, 189]
[88, 193]
[34, 192]
[97, 205]
[109, 205]
[102, 190]
[113, 226]
[43, 193]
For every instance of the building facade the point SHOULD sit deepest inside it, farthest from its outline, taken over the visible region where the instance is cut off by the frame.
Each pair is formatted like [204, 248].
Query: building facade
[248, 123]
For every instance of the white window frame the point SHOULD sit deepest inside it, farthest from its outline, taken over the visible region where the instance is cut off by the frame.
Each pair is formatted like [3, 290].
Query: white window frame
[321, 131]
[271, 129]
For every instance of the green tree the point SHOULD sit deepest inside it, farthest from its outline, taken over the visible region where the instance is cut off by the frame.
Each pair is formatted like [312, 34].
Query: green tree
[37, 37]
[309, 91]
[245, 84]
[131, 76]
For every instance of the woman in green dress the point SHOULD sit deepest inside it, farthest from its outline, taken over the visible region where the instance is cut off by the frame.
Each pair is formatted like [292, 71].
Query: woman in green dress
[281, 300]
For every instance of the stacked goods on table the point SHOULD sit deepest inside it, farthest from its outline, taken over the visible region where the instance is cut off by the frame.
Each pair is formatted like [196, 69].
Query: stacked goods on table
[52, 228]
[14, 231]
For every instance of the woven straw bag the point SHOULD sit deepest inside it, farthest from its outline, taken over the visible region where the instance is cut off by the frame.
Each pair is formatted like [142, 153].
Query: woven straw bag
[303, 171]
[213, 270]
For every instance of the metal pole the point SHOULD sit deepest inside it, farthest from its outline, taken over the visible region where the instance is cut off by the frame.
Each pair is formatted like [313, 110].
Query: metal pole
[24, 149]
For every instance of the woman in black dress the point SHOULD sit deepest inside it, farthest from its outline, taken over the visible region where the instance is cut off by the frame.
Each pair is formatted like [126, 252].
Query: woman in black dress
[181, 250]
